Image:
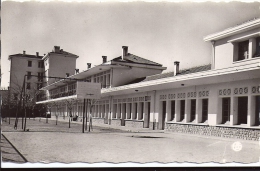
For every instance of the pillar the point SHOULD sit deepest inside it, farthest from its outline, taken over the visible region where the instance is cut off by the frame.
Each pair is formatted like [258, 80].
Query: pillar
[168, 110]
[134, 110]
[128, 114]
[251, 113]
[187, 111]
[140, 111]
[177, 110]
[198, 117]
[251, 47]
[146, 115]
[214, 106]
[233, 110]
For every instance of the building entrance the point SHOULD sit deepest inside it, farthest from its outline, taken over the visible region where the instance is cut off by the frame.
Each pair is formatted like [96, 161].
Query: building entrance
[182, 112]
[225, 110]
[163, 113]
[242, 110]
[193, 110]
[205, 104]
[257, 110]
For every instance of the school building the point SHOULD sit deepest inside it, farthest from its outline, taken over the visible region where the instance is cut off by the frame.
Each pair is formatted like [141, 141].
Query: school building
[219, 99]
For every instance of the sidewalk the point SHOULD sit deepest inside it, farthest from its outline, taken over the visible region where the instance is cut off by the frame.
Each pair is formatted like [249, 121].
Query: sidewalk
[129, 129]
[10, 153]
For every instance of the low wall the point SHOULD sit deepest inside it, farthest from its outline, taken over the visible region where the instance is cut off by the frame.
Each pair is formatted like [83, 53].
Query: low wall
[153, 125]
[98, 121]
[134, 123]
[116, 122]
[217, 131]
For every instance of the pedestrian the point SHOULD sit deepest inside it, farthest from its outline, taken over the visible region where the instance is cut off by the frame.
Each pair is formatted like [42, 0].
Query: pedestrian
[90, 122]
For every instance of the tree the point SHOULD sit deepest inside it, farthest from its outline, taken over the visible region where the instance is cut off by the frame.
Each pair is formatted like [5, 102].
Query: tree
[90, 104]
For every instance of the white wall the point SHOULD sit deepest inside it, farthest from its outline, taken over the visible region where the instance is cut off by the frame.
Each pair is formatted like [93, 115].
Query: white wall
[59, 65]
[225, 52]
[19, 68]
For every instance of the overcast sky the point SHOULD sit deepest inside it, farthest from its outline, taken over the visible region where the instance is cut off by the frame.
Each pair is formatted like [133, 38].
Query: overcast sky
[163, 32]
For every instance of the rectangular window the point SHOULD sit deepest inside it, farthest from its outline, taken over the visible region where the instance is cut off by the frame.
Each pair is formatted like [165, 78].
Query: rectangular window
[29, 75]
[40, 64]
[28, 86]
[192, 110]
[29, 63]
[243, 50]
[40, 76]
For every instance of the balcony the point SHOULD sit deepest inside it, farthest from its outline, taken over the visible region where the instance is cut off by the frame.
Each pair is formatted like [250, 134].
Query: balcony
[71, 91]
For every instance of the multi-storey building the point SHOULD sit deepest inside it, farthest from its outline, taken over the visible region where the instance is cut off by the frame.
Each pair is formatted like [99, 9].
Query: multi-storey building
[25, 64]
[57, 63]
[219, 99]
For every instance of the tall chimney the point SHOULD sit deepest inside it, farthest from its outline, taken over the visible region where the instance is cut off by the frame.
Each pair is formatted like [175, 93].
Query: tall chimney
[124, 51]
[176, 67]
[37, 54]
[89, 65]
[24, 52]
[104, 59]
[56, 49]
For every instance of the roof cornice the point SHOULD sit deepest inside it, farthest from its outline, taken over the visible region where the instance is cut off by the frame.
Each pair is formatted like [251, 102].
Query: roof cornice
[233, 30]
[192, 76]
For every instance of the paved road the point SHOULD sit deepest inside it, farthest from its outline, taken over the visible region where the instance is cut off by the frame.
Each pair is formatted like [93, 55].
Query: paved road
[47, 142]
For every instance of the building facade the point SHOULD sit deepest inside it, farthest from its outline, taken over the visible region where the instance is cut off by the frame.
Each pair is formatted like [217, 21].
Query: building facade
[219, 99]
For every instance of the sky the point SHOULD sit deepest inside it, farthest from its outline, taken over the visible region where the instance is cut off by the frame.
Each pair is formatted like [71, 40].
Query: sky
[163, 32]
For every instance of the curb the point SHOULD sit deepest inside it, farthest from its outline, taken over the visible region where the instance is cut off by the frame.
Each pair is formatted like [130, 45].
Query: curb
[15, 149]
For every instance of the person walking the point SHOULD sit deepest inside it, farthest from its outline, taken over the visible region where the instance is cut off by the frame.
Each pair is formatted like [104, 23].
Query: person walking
[90, 123]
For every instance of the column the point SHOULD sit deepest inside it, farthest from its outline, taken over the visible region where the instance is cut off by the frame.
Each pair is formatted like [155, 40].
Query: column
[128, 114]
[233, 110]
[146, 115]
[214, 107]
[251, 47]
[251, 113]
[187, 111]
[134, 110]
[168, 110]
[98, 111]
[198, 116]
[77, 113]
[213, 55]
[177, 110]
[140, 111]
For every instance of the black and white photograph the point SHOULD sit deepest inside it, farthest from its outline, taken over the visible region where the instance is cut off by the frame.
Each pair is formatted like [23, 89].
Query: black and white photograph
[130, 83]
